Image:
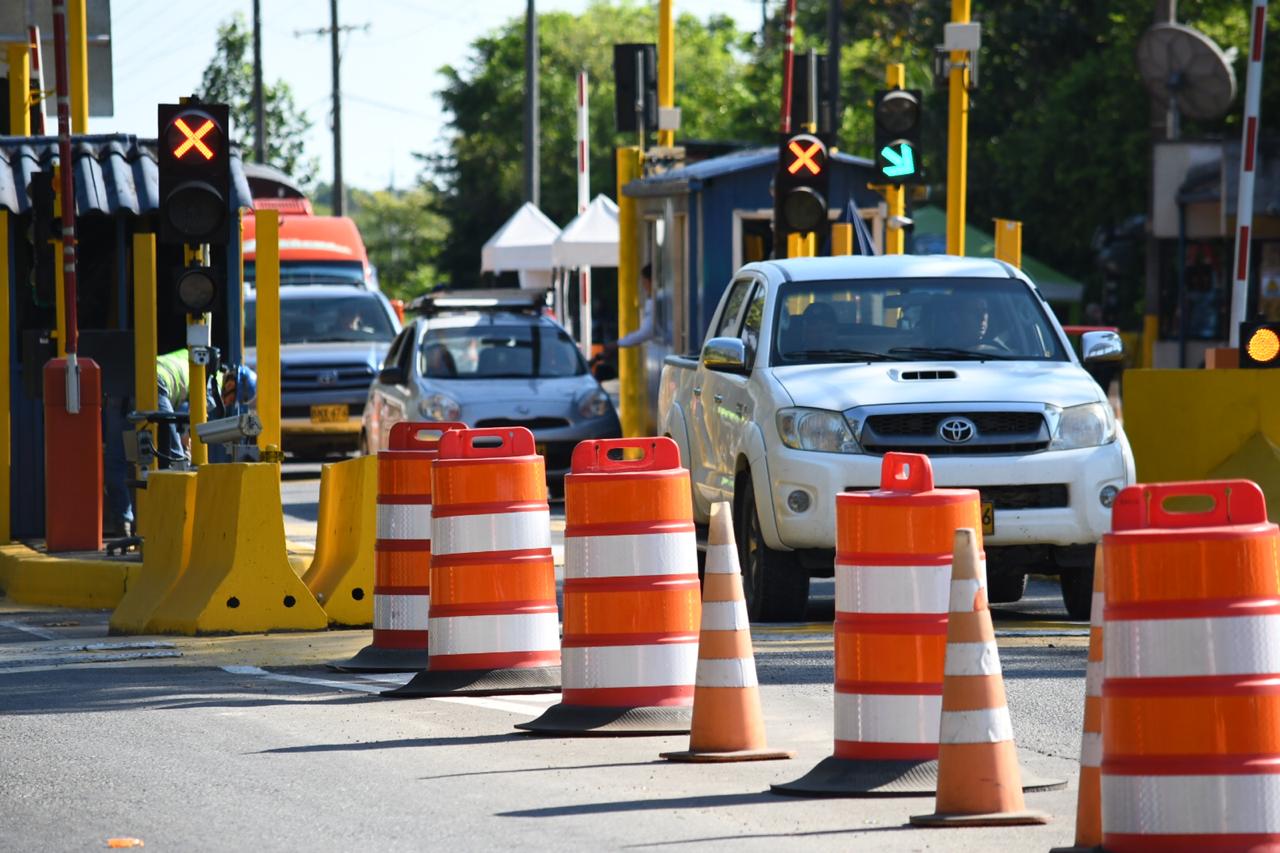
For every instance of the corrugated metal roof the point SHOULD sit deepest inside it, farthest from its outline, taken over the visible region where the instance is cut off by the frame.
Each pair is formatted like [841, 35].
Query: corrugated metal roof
[115, 174]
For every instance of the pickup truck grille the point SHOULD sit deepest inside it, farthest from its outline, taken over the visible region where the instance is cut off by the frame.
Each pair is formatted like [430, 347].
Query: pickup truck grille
[1027, 496]
[917, 432]
[325, 377]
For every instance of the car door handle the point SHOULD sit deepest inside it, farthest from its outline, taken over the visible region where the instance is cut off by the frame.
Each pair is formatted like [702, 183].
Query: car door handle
[719, 398]
[697, 390]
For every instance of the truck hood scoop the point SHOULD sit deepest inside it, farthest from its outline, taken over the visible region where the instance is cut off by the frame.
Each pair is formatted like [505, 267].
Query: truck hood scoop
[910, 375]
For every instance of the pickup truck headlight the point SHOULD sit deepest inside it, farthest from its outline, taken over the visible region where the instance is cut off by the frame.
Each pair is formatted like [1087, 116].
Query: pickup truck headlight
[439, 407]
[594, 405]
[1089, 425]
[816, 429]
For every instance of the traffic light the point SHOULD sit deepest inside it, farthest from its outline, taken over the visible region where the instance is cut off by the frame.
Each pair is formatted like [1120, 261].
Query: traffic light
[1260, 345]
[897, 137]
[197, 290]
[800, 189]
[195, 173]
[635, 74]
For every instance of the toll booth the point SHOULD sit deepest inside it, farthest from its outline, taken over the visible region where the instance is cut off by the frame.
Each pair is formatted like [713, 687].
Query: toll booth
[117, 196]
[699, 223]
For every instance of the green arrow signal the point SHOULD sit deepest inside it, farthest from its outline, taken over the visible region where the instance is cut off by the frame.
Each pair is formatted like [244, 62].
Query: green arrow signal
[899, 164]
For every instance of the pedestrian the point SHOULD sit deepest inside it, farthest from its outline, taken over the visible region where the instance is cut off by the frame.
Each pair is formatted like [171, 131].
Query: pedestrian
[645, 332]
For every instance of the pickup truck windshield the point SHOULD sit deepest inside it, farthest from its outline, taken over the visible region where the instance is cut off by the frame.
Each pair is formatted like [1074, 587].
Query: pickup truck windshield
[360, 318]
[487, 351]
[912, 319]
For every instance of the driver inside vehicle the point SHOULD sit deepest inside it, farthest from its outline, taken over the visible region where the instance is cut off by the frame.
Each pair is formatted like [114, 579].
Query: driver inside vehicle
[964, 323]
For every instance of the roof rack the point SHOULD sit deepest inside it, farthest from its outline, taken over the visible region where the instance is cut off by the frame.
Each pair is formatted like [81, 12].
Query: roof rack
[446, 301]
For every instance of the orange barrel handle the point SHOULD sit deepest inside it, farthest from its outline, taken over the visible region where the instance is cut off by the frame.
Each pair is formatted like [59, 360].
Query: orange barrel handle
[906, 472]
[407, 435]
[1234, 502]
[487, 443]
[605, 455]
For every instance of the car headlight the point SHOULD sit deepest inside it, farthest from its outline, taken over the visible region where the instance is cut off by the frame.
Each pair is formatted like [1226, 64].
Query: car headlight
[816, 429]
[1089, 425]
[595, 405]
[439, 407]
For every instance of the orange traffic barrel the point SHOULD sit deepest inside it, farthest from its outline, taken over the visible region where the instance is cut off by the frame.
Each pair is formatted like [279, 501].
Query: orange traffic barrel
[494, 626]
[631, 599]
[402, 551]
[893, 587]
[1191, 693]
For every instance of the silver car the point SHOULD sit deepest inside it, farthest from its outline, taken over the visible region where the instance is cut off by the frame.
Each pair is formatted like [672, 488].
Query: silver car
[490, 361]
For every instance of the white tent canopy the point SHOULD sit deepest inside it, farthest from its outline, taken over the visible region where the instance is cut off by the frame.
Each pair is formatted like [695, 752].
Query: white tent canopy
[590, 240]
[522, 244]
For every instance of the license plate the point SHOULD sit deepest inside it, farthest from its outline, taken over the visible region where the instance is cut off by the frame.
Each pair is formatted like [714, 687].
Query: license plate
[541, 448]
[988, 518]
[332, 414]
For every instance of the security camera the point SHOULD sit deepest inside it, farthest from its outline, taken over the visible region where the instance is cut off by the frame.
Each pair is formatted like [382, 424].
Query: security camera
[233, 430]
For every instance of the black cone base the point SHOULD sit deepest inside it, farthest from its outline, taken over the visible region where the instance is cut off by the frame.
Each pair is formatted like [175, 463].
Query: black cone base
[565, 719]
[480, 682]
[847, 777]
[375, 659]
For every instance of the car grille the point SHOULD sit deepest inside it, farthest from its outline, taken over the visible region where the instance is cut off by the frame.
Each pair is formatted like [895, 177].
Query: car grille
[304, 412]
[325, 377]
[917, 432]
[527, 423]
[558, 455]
[1029, 496]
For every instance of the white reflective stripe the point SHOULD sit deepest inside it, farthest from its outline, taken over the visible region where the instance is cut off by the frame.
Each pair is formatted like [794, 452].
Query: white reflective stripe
[879, 718]
[722, 560]
[972, 659]
[986, 725]
[1091, 749]
[631, 555]
[657, 665]
[499, 531]
[725, 616]
[476, 635]
[404, 521]
[726, 672]
[1098, 607]
[1157, 648]
[891, 589]
[1191, 805]
[1093, 679]
[400, 612]
[964, 591]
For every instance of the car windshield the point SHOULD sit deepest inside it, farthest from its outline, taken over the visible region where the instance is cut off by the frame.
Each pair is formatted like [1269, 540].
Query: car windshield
[313, 272]
[497, 350]
[312, 320]
[916, 319]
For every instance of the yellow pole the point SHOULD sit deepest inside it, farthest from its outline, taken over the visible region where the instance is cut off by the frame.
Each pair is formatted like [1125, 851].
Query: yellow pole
[957, 138]
[1009, 241]
[841, 238]
[267, 225]
[793, 244]
[198, 402]
[895, 195]
[1150, 331]
[5, 434]
[78, 38]
[19, 90]
[666, 67]
[145, 392]
[631, 369]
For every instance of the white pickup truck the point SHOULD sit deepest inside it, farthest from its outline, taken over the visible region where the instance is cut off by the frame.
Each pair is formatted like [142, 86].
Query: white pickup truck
[814, 368]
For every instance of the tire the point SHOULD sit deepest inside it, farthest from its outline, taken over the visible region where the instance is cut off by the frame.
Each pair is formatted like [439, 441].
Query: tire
[1006, 588]
[775, 584]
[1077, 591]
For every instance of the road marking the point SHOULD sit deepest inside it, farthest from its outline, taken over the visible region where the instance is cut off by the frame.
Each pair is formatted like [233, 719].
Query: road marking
[28, 629]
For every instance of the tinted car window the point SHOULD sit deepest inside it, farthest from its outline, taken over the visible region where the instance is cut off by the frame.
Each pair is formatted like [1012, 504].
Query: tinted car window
[488, 351]
[312, 272]
[729, 319]
[304, 320]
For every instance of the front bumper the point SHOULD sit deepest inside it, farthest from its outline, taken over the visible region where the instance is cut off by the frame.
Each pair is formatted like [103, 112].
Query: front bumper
[1081, 521]
[556, 445]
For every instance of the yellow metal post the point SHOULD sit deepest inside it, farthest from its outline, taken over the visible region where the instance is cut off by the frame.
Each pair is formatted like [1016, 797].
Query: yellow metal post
[666, 67]
[19, 89]
[841, 238]
[1009, 241]
[78, 38]
[895, 195]
[631, 369]
[198, 401]
[5, 433]
[957, 137]
[1150, 332]
[267, 226]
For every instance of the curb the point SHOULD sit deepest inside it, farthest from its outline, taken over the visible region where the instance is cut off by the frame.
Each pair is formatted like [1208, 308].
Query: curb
[30, 577]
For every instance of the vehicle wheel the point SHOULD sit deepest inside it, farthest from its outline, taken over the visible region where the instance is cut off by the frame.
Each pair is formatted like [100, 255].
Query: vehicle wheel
[775, 584]
[1077, 591]
[1006, 588]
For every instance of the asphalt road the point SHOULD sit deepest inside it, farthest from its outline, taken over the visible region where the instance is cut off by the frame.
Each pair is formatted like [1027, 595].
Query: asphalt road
[250, 743]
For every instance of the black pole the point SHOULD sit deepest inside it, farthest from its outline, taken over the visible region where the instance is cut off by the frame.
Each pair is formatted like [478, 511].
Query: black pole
[259, 117]
[339, 205]
[531, 177]
[833, 67]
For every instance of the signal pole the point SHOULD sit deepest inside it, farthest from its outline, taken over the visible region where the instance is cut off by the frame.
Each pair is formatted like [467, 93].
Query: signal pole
[957, 138]
[259, 109]
[531, 177]
[895, 77]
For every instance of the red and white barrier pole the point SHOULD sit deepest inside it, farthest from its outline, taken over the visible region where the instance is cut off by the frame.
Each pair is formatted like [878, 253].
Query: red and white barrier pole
[1248, 168]
[584, 200]
[68, 200]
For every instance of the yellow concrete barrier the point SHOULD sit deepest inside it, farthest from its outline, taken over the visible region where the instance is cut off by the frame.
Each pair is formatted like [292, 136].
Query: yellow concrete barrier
[238, 579]
[341, 574]
[1206, 424]
[166, 531]
[30, 577]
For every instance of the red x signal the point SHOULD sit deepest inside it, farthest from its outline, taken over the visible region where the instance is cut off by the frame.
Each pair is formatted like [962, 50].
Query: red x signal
[804, 157]
[193, 138]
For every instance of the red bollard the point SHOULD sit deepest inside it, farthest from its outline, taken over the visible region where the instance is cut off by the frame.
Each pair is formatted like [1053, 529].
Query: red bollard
[73, 460]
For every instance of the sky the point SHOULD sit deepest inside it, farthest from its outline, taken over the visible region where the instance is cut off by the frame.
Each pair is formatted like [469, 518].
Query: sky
[389, 79]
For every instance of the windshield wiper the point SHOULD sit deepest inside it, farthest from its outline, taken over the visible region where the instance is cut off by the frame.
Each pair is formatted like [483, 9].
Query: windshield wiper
[953, 353]
[842, 355]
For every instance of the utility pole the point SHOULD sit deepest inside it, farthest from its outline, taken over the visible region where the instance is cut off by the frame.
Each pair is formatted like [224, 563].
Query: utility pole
[259, 109]
[1164, 11]
[833, 67]
[532, 179]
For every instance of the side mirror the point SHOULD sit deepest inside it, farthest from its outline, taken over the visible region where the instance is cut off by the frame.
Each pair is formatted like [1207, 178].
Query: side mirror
[1101, 347]
[725, 355]
[391, 375]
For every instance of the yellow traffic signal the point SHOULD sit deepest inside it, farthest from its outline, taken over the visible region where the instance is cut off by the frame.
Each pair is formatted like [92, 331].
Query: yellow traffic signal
[1259, 345]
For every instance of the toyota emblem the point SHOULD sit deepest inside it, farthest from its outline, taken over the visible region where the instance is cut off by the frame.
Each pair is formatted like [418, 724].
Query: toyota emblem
[328, 377]
[957, 430]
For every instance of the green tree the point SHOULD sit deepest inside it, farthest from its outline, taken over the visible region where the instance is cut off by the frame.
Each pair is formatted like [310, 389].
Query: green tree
[228, 78]
[402, 234]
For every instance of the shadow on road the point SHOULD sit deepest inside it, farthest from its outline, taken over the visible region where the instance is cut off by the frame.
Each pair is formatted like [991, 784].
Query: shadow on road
[402, 743]
[701, 802]
[818, 833]
[546, 769]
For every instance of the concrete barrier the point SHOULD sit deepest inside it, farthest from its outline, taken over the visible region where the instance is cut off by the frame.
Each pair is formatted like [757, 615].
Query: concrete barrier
[341, 574]
[166, 530]
[30, 577]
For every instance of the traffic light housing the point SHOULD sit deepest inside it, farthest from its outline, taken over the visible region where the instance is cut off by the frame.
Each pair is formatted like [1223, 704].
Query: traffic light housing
[195, 173]
[898, 114]
[1259, 345]
[800, 188]
[635, 75]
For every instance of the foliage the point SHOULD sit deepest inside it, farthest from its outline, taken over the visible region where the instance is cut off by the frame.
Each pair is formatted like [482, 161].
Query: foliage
[228, 78]
[402, 235]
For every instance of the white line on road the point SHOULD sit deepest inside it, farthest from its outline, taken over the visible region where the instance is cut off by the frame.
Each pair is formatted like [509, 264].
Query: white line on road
[27, 629]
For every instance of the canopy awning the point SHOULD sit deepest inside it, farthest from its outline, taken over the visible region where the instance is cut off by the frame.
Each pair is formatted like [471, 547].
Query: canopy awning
[522, 244]
[591, 239]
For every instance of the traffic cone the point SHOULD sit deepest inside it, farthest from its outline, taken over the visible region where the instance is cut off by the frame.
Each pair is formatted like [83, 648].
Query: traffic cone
[727, 721]
[979, 782]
